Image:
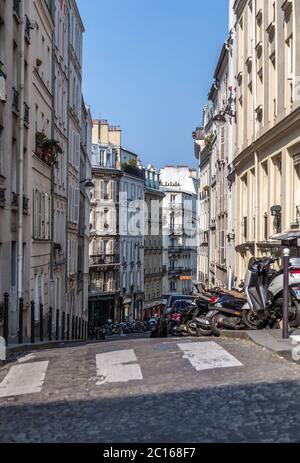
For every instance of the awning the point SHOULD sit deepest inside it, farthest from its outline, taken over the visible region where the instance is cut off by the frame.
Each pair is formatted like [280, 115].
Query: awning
[287, 236]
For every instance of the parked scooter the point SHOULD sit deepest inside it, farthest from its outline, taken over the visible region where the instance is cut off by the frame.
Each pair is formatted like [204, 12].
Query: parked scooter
[264, 290]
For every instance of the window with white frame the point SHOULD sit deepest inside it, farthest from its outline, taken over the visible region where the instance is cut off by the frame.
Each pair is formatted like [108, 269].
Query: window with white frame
[41, 215]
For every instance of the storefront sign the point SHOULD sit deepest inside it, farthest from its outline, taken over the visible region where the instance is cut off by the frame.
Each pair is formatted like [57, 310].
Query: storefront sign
[186, 278]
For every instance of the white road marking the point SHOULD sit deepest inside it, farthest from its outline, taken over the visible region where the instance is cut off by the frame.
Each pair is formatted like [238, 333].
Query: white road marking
[208, 355]
[24, 379]
[26, 358]
[118, 367]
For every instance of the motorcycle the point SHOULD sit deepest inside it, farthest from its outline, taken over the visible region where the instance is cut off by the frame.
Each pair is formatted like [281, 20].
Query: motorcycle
[264, 291]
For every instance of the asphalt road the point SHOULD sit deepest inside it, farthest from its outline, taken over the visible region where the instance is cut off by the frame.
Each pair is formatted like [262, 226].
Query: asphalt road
[153, 391]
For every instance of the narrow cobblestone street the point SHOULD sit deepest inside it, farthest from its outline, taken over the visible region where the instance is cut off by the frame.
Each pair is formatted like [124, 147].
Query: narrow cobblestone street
[155, 390]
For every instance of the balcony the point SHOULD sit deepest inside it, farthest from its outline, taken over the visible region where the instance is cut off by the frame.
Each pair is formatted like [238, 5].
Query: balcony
[176, 230]
[26, 114]
[135, 171]
[96, 261]
[2, 197]
[178, 270]
[25, 204]
[15, 100]
[14, 199]
[28, 27]
[98, 287]
[47, 149]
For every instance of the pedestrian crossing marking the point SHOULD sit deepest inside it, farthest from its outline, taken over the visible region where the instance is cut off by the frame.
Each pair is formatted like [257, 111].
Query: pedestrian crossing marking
[24, 379]
[208, 356]
[118, 367]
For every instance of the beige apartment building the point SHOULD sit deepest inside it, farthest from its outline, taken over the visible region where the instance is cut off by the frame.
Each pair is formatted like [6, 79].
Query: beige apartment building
[104, 248]
[16, 124]
[267, 158]
[153, 251]
[39, 159]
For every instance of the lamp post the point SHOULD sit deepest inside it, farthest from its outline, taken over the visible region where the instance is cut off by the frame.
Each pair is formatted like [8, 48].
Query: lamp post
[286, 261]
[89, 184]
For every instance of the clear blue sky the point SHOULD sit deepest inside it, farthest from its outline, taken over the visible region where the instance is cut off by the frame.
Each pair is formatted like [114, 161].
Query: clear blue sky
[148, 67]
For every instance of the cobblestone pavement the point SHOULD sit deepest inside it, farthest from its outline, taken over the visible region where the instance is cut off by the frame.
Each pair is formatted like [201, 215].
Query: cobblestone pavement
[255, 400]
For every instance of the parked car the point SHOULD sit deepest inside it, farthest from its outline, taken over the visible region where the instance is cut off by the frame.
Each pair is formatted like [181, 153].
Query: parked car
[172, 299]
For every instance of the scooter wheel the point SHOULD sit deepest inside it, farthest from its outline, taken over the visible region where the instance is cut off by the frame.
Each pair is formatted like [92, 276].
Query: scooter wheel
[192, 328]
[294, 319]
[251, 321]
[205, 331]
[215, 325]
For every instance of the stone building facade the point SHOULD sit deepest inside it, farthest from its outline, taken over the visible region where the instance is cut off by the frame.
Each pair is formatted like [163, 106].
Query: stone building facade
[267, 157]
[104, 248]
[180, 185]
[153, 250]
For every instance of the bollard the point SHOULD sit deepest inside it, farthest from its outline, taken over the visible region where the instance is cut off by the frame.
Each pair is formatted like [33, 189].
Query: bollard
[21, 308]
[57, 326]
[76, 328]
[286, 262]
[41, 323]
[79, 335]
[50, 324]
[5, 326]
[73, 326]
[68, 327]
[63, 323]
[32, 308]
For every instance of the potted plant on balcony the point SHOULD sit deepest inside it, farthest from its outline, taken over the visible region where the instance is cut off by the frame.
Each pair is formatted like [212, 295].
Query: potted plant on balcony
[209, 141]
[47, 149]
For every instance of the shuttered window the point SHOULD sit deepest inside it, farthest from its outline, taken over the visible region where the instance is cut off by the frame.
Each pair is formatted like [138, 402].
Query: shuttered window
[41, 215]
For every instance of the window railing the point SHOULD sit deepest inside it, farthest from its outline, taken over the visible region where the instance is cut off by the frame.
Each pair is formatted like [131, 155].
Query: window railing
[14, 199]
[16, 7]
[27, 28]
[15, 101]
[2, 196]
[25, 203]
[104, 260]
[26, 113]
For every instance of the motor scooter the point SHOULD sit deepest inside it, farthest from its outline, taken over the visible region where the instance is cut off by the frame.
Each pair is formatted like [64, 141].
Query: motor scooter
[264, 290]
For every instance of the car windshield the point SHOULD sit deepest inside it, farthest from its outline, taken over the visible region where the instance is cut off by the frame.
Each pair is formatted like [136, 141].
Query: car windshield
[177, 298]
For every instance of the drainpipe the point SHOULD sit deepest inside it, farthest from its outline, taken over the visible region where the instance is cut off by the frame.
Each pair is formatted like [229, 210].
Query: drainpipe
[254, 124]
[21, 155]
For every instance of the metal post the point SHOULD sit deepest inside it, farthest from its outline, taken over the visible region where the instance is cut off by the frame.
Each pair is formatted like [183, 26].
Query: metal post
[20, 333]
[41, 323]
[68, 327]
[5, 326]
[73, 327]
[50, 324]
[32, 305]
[286, 261]
[63, 325]
[79, 335]
[76, 328]
[57, 326]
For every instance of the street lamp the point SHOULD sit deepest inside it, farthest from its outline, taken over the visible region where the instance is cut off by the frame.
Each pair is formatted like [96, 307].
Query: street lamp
[220, 118]
[89, 184]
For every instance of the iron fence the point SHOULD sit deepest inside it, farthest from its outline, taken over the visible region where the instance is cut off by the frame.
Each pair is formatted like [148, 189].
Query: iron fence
[30, 331]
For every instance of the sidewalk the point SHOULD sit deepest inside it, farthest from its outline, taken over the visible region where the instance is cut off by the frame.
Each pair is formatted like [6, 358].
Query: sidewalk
[269, 339]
